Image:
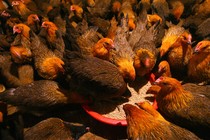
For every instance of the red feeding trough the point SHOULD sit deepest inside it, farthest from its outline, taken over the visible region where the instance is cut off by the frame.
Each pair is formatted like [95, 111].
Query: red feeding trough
[107, 120]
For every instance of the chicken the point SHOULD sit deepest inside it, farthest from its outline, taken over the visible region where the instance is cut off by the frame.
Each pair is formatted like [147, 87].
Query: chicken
[198, 89]
[85, 42]
[91, 136]
[202, 9]
[58, 16]
[73, 32]
[163, 69]
[152, 19]
[123, 55]
[5, 42]
[3, 6]
[47, 64]
[44, 6]
[54, 128]
[93, 78]
[14, 75]
[54, 38]
[100, 9]
[112, 29]
[170, 38]
[78, 12]
[161, 8]
[20, 47]
[21, 9]
[40, 97]
[146, 52]
[198, 66]
[90, 3]
[200, 12]
[10, 22]
[177, 9]
[140, 29]
[183, 108]
[92, 43]
[102, 24]
[179, 54]
[33, 23]
[203, 31]
[126, 10]
[154, 125]
[102, 47]
[116, 5]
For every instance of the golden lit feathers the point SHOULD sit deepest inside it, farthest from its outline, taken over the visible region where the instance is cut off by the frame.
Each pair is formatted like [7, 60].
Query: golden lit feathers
[102, 47]
[170, 37]
[51, 67]
[172, 95]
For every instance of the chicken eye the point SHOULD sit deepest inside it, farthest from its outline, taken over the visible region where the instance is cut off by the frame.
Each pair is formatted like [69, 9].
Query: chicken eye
[106, 43]
[164, 83]
[164, 68]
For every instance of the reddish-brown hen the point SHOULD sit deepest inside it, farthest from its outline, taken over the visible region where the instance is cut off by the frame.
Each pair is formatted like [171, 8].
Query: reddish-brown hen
[199, 64]
[146, 123]
[191, 111]
[53, 38]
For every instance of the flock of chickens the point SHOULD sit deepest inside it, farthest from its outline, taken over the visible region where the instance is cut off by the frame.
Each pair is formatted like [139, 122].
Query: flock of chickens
[59, 52]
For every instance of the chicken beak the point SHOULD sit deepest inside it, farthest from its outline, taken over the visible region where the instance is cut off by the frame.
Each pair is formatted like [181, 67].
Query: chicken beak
[195, 51]
[37, 19]
[14, 30]
[189, 42]
[158, 81]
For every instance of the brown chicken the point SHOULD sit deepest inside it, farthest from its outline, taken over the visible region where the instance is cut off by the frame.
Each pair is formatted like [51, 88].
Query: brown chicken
[91, 136]
[163, 69]
[152, 19]
[90, 3]
[116, 5]
[102, 47]
[176, 9]
[54, 128]
[77, 10]
[100, 9]
[146, 52]
[20, 47]
[112, 29]
[170, 38]
[40, 97]
[183, 108]
[14, 75]
[122, 56]
[102, 24]
[179, 54]
[54, 38]
[21, 9]
[33, 23]
[85, 42]
[203, 31]
[161, 8]
[93, 78]
[126, 10]
[90, 42]
[198, 89]
[198, 14]
[47, 64]
[146, 123]
[74, 31]
[202, 9]
[198, 66]
[3, 6]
